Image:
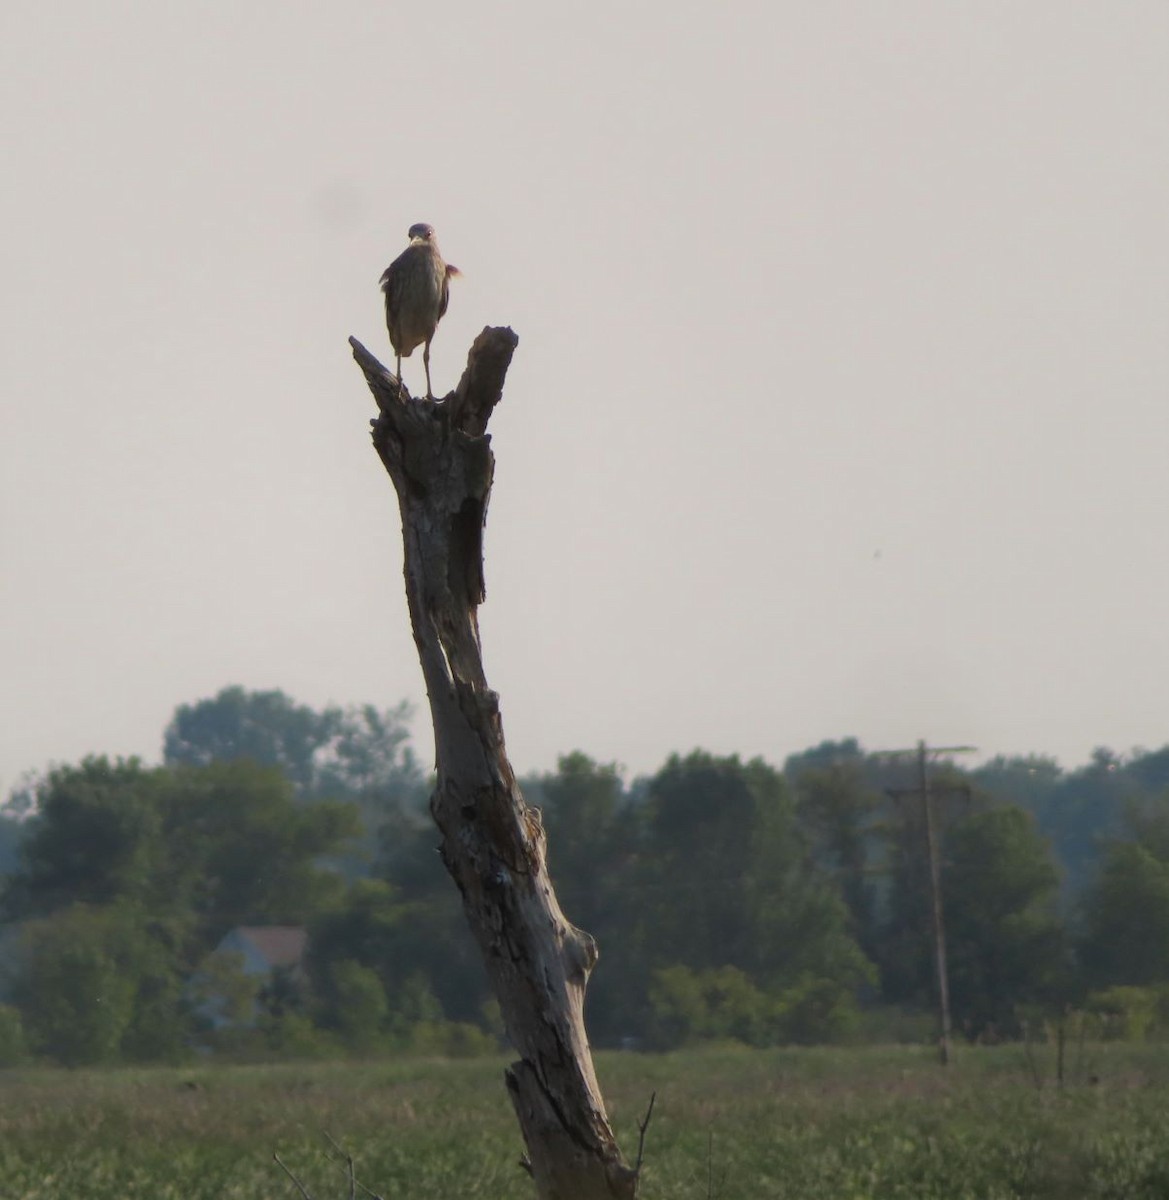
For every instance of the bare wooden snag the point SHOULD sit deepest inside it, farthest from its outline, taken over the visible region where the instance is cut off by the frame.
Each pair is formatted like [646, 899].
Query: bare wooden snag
[438, 454]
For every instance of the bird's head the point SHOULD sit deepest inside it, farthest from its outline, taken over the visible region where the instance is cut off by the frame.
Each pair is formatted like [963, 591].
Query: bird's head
[422, 232]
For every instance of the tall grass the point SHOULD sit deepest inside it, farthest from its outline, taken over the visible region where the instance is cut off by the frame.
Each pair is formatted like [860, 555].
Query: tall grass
[728, 1123]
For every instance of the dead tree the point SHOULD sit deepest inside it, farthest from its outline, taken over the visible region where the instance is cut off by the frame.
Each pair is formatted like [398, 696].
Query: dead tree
[438, 455]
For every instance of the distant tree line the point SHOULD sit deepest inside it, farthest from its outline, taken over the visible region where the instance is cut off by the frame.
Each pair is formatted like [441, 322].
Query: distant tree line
[732, 900]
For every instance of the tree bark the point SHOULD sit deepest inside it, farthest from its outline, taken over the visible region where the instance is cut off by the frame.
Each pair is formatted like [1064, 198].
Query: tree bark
[438, 455]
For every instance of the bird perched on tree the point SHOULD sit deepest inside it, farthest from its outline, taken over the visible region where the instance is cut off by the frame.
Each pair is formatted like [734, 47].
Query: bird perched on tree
[417, 288]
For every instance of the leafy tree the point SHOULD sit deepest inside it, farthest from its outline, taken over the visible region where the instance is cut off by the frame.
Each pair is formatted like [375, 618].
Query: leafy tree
[205, 848]
[1086, 809]
[1125, 934]
[1147, 821]
[727, 880]
[363, 928]
[431, 935]
[1005, 943]
[369, 763]
[414, 1003]
[1149, 769]
[96, 837]
[99, 985]
[816, 1008]
[367, 753]
[904, 947]
[12, 831]
[355, 753]
[724, 1003]
[1004, 940]
[1030, 781]
[221, 993]
[283, 993]
[242, 851]
[360, 754]
[1130, 1014]
[434, 942]
[267, 728]
[721, 1003]
[707, 823]
[583, 812]
[289, 1034]
[13, 1043]
[1126, 919]
[161, 1024]
[451, 1039]
[1080, 812]
[358, 1010]
[593, 828]
[837, 807]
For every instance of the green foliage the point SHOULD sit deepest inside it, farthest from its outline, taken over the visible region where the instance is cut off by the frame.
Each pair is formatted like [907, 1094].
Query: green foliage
[212, 847]
[414, 947]
[1006, 945]
[12, 832]
[594, 837]
[359, 1010]
[1075, 810]
[1005, 942]
[706, 820]
[1131, 1014]
[431, 936]
[367, 754]
[1126, 919]
[131, 875]
[242, 851]
[265, 728]
[450, 1039]
[730, 881]
[723, 1004]
[221, 993]
[364, 927]
[738, 921]
[415, 1003]
[731, 901]
[13, 1044]
[583, 809]
[96, 837]
[837, 807]
[99, 985]
[288, 1034]
[816, 1009]
[359, 753]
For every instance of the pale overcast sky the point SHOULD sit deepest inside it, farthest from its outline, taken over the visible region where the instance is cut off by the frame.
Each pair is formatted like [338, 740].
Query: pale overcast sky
[841, 403]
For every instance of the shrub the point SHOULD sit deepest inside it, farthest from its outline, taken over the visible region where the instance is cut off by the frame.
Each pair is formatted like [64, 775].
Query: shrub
[13, 1047]
[1130, 1014]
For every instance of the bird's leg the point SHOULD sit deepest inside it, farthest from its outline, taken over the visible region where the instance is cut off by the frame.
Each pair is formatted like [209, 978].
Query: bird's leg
[426, 364]
[399, 377]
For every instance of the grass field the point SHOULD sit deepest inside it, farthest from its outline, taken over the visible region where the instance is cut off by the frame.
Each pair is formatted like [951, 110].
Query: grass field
[820, 1124]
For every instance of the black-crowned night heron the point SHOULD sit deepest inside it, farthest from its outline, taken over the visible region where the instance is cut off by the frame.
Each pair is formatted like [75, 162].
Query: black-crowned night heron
[417, 288]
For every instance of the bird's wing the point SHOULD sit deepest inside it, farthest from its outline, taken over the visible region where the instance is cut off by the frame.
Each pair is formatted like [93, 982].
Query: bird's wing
[394, 272]
[392, 283]
[445, 292]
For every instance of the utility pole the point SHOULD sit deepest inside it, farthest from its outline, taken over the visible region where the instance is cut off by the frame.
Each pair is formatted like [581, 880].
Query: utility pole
[928, 795]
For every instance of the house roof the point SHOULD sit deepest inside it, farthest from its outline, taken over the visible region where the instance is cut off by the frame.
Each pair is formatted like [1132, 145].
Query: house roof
[280, 945]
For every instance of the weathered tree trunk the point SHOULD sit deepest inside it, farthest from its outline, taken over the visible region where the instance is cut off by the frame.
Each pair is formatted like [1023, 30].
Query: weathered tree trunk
[439, 457]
